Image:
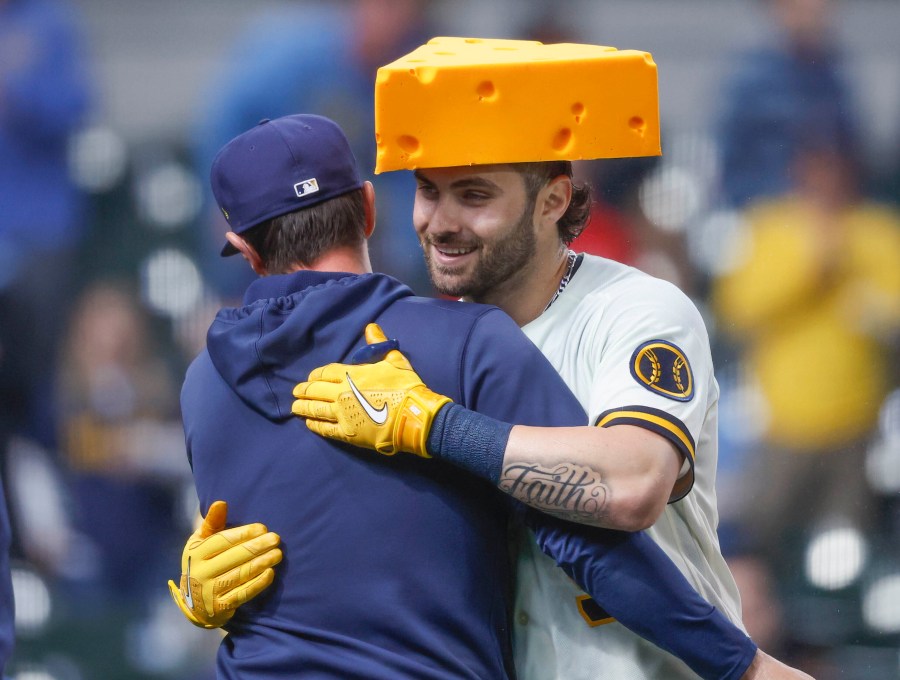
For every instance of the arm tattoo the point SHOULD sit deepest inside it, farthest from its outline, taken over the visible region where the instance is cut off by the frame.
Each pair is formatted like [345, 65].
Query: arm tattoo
[572, 492]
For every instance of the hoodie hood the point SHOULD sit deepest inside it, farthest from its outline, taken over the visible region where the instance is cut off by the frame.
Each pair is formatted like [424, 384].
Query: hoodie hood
[290, 324]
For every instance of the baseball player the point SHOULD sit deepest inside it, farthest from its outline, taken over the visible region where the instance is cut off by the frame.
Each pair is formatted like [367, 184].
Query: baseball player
[391, 567]
[626, 344]
[632, 348]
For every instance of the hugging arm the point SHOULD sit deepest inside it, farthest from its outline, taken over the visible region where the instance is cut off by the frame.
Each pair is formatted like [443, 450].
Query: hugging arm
[636, 583]
[571, 463]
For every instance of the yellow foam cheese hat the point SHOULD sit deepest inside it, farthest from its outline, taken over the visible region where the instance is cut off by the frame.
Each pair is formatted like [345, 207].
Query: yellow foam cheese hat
[465, 101]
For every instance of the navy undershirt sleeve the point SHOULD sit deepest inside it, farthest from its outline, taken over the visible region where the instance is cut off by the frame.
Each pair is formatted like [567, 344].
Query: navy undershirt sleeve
[631, 577]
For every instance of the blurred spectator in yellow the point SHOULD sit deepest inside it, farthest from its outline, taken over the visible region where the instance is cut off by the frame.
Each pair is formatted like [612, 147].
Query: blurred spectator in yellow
[814, 302]
[122, 443]
[44, 98]
[773, 93]
[303, 57]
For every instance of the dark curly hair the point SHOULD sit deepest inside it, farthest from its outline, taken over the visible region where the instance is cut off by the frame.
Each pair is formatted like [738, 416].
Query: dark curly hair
[577, 215]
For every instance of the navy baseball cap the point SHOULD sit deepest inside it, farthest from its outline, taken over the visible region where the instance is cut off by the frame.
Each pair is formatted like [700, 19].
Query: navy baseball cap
[280, 166]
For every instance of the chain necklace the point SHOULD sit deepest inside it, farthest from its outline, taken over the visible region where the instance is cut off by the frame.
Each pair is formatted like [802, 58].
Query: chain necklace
[572, 258]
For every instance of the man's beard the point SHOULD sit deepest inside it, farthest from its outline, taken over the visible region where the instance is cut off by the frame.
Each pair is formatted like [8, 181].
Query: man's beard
[505, 258]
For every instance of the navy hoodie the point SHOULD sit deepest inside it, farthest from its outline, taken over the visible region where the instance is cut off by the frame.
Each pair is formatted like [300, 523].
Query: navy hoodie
[394, 567]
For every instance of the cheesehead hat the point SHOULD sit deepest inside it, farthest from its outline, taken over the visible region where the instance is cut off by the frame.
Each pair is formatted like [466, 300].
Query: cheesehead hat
[464, 101]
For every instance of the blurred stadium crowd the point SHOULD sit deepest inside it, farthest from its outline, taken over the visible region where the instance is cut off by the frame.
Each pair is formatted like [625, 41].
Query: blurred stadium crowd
[781, 219]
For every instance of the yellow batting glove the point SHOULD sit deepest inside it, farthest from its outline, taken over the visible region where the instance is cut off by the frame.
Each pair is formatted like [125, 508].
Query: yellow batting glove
[383, 406]
[223, 568]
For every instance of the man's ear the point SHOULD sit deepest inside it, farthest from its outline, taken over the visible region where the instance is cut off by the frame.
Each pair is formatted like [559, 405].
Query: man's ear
[369, 206]
[554, 198]
[248, 252]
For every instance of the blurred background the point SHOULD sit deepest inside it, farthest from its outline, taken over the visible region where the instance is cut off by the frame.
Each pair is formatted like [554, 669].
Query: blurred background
[774, 206]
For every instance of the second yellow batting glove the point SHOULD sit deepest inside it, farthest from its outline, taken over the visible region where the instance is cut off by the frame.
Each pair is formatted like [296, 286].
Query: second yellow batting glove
[383, 406]
[223, 568]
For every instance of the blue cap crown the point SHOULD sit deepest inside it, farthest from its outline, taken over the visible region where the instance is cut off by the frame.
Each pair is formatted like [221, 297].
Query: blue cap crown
[280, 166]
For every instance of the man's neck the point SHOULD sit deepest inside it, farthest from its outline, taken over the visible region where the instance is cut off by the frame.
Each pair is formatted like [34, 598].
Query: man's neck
[343, 259]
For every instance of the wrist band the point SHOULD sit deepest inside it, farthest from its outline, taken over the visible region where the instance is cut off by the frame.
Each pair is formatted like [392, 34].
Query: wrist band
[472, 441]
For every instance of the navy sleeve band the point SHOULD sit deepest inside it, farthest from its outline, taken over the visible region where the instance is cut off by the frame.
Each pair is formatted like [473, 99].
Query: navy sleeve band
[469, 440]
[631, 578]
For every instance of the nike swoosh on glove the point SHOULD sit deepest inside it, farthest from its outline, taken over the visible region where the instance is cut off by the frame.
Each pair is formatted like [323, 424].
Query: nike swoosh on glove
[383, 406]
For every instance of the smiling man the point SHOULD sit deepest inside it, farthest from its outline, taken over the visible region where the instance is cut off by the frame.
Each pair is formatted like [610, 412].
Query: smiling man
[495, 219]
[392, 567]
[470, 264]
[499, 233]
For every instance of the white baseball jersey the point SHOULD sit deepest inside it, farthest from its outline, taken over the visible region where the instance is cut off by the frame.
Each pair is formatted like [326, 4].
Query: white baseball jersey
[634, 350]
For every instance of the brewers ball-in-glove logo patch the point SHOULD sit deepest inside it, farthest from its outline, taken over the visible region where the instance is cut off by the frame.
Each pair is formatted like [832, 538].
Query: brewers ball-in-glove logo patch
[661, 367]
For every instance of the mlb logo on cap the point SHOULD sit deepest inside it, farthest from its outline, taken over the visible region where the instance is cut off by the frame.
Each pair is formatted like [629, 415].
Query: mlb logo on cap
[280, 166]
[309, 186]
